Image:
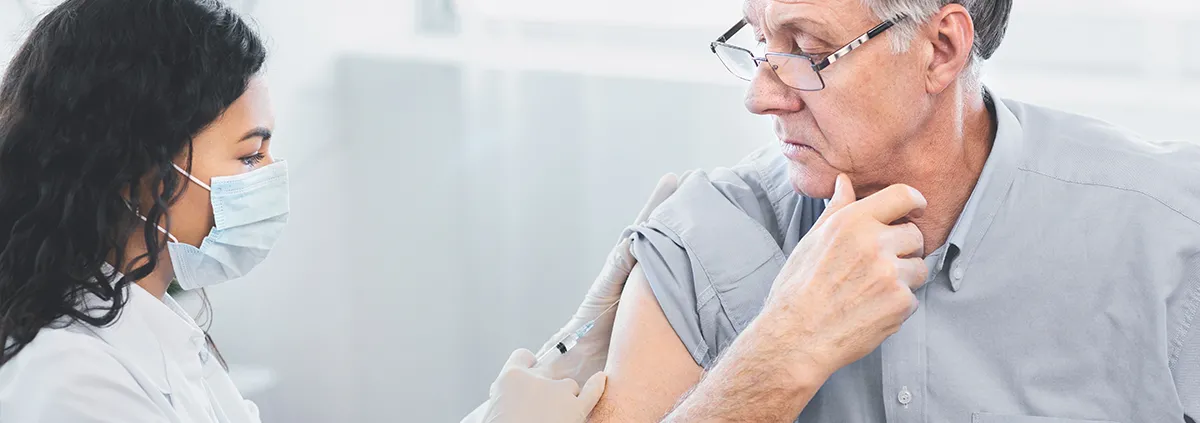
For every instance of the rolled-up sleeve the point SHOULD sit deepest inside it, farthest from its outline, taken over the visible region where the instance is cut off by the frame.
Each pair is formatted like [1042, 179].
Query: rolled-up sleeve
[712, 250]
[669, 271]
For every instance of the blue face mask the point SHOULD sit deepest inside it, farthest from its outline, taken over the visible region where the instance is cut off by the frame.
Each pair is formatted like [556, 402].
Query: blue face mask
[250, 211]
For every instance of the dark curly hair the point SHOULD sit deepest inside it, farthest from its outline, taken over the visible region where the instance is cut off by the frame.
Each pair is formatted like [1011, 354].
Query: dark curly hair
[95, 105]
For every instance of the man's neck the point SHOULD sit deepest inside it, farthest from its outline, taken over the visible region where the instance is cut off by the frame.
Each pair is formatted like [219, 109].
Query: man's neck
[962, 145]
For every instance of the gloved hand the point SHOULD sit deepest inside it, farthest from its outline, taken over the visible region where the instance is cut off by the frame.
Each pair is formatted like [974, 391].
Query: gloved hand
[522, 394]
[591, 353]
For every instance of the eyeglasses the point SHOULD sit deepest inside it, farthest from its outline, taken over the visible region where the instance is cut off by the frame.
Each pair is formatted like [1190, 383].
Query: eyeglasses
[799, 71]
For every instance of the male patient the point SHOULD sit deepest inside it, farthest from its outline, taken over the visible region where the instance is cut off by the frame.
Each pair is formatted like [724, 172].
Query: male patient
[1063, 254]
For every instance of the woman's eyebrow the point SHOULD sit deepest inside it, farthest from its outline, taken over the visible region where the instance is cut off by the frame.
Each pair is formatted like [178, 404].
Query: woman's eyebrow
[259, 132]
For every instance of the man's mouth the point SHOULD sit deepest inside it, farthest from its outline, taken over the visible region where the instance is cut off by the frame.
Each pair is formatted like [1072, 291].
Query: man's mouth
[797, 151]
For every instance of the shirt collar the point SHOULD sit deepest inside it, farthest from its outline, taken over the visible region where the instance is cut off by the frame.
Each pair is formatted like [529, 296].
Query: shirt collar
[989, 193]
[154, 333]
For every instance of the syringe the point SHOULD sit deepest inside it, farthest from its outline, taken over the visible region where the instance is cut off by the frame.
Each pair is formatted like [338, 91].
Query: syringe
[568, 343]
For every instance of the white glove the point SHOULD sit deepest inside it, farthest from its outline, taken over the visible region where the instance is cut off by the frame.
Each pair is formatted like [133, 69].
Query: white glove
[591, 353]
[522, 394]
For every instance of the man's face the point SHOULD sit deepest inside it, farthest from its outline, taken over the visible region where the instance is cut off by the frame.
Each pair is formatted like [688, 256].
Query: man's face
[873, 104]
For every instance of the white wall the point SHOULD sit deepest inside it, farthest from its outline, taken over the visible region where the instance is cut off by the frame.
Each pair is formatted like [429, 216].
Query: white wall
[454, 194]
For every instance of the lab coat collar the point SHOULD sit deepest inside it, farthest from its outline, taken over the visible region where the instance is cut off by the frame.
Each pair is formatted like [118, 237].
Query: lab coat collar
[155, 333]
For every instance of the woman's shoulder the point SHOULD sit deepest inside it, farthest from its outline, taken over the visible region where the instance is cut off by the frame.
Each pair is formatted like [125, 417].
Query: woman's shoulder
[61, 359]
[60, 353]
[68, 374]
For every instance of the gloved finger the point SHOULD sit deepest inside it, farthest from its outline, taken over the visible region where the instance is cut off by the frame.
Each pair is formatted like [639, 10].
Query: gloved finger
[552, 342]
[592, 390]
[521, 358]
[666, 186]
[518, 360]
[621, 262]
[568, 385]
[686, 175]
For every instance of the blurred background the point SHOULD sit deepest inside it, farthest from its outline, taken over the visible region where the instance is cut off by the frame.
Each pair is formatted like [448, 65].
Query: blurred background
[462, 167]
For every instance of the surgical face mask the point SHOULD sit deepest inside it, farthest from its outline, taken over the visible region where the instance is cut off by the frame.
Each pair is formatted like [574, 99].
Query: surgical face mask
[250, 211]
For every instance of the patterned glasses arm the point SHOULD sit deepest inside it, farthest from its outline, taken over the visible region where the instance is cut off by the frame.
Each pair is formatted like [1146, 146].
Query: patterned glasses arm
[842, 52]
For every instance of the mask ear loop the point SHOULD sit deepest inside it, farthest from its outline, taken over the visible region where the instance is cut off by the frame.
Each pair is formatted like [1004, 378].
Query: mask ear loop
[193, 178]
[160, 228]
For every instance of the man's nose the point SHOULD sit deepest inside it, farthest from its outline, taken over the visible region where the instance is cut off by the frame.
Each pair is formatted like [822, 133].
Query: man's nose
[767, 95]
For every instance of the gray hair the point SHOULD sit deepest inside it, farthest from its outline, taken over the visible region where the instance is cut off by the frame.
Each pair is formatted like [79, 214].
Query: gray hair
[990, 18]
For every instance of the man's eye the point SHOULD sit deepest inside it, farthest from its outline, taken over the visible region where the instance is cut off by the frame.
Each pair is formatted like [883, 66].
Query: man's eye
[760, 48]
[815, 54]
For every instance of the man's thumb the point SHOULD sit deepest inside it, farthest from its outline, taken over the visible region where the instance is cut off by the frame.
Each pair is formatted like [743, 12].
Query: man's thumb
[843, 193]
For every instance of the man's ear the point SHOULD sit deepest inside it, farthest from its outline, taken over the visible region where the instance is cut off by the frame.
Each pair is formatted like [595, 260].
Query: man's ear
[951, 34]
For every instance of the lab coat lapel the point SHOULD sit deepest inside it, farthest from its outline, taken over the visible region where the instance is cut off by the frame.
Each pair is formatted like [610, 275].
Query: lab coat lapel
[131, 334]
[227, 401]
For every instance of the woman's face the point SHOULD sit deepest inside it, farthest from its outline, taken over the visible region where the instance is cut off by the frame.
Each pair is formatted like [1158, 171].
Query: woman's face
[239, 141]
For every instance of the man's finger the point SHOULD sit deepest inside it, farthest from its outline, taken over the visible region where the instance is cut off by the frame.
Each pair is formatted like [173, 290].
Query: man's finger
[912, 272]
[666, 186]
[904, 240]
[892, 203]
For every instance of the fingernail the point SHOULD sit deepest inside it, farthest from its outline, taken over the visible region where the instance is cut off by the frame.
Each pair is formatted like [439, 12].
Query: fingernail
[916, 194]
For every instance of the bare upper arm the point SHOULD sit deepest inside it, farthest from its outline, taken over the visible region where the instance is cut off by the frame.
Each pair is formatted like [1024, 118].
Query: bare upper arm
[648, 367]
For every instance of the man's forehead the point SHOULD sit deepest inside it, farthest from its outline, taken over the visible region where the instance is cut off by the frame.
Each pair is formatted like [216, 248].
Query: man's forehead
[827, 17]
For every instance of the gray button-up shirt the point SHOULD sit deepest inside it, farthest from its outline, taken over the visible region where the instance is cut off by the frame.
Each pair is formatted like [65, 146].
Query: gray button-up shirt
[1066, 292]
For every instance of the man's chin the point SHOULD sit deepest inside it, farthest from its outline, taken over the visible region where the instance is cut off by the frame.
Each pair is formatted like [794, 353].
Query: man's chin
[811, 182]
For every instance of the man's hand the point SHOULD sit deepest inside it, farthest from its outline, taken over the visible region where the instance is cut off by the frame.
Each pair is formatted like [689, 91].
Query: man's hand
[849, 284]
[846, 287]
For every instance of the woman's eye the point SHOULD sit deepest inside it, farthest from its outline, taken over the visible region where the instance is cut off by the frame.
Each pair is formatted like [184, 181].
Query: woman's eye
[253, 160]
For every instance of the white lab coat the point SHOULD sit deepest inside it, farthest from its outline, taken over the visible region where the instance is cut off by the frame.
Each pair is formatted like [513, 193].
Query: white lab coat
[152, 365]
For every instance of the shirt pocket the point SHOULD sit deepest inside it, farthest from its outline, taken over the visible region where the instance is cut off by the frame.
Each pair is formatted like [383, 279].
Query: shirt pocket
[1012, 418]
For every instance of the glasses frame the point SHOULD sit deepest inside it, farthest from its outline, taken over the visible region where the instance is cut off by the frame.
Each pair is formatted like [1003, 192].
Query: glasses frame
[817, 67]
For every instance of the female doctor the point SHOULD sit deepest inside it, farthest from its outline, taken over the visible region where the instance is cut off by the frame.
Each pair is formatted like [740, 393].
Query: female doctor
[135, 150]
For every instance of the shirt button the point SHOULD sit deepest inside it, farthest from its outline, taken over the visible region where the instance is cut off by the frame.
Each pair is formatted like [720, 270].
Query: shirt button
[904, 397]
[957, 273]
[204, 356]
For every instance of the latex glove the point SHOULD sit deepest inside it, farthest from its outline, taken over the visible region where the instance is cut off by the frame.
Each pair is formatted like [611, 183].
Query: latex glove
[591, 353]
[522, 394]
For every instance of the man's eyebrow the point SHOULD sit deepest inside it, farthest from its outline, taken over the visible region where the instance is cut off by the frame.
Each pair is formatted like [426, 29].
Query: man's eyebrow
[805, 24]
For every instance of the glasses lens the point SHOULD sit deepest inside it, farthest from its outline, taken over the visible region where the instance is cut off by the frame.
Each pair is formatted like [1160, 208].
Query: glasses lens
[795, 71]
[738, 60]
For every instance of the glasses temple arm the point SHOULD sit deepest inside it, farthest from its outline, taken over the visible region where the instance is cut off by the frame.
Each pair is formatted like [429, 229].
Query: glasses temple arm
[729, 34]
